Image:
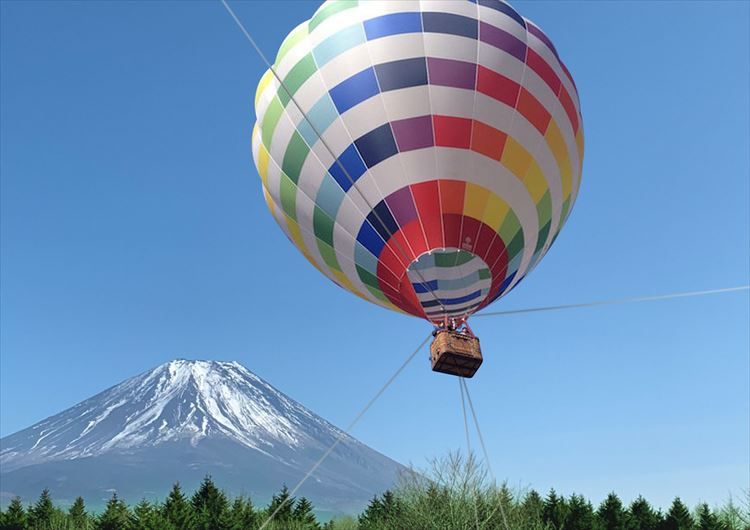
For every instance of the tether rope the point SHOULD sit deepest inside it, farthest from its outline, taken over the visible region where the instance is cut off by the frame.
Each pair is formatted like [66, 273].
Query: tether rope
[469, 457]
[486, 456]
[614, 302]
[345, 432]
[328, 148]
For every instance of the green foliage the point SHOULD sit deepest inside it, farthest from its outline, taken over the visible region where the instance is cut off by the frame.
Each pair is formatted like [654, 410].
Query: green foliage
[211, 507]
[453, 493]
[611, 513]
[116, 516]
[15, 517]
[243, 514]
[642, 517]
[77, 515]
[678, 517]
[177, 513]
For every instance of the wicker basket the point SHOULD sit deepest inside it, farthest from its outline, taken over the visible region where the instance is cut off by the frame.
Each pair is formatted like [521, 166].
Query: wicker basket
[455, 353]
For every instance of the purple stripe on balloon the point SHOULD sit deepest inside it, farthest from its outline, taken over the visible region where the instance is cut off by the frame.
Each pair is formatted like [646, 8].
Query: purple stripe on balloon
[402, 206]
[413, 133]
[539, 34]
[503, 40]
[447, 72]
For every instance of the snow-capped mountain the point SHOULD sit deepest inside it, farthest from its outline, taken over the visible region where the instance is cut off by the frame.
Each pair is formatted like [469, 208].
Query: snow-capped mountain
[180, 421]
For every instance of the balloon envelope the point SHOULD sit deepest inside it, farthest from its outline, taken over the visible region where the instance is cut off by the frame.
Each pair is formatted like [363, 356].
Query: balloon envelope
[423, 155]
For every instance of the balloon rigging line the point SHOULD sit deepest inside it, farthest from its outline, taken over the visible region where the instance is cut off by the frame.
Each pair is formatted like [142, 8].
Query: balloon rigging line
[486, 455]
[345, 431]
[615, 301]
[469, 456]
[328, 148]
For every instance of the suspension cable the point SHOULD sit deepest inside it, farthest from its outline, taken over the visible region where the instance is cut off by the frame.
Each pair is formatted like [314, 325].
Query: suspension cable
[486, 456]
[347, 430]
[469, 456]
[323, 142]
[615, 301]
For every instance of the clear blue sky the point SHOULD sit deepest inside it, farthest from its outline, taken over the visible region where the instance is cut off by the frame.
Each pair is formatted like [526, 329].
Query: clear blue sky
[134, 232]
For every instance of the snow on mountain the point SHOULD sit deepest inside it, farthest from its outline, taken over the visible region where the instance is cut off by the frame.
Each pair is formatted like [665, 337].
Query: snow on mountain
[207, 416]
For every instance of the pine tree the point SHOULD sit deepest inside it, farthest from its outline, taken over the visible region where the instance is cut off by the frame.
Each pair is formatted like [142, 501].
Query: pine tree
[554, 510]
[15, 517]
[373, 515]
[678, 517]
[303, 514]
[641, 516]
[243, 514]
[77, 514]
[40, 516]
[706, 519]
[611, 513]
[211, 507]
[176, 511]
[530, 510]
[147, 517]
[283, 503]
[116, 516]
[580, 514]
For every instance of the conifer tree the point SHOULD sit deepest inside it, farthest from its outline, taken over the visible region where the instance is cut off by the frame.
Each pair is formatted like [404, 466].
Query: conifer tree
[641, 516]
[243, 515]
[283, 503]
[373, 515]
[530, 509]
[40, 516]
[678, 517]
[116, 516]
[580, 514]
[15, 518]
[706, 519]
[303, 514]
[176, 511]
[210, 506]
[554, 510]
[77, 514]
[147, 517]
[611, 513]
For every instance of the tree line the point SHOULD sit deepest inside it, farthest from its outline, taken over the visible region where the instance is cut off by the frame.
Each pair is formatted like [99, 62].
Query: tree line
[454, 494]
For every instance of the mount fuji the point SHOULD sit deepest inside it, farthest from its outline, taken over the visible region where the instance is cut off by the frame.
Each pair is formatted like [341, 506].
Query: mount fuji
[181, 421]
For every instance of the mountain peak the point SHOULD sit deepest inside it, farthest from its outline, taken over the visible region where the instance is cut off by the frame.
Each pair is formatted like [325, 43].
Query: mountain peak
[178, 400]
[179, 421]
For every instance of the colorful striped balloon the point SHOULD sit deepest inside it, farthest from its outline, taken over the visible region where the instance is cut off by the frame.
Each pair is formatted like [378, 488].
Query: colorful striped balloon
[422, 154]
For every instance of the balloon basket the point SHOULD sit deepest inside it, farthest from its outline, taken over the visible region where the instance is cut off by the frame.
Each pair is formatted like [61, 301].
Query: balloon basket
[455, 353]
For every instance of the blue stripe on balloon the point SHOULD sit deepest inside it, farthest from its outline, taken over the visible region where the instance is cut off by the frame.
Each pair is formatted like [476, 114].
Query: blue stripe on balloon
[425, 287]
[450, 24]
[376, 145]
[393, 24]
[353, 165]
[321, 115]
[329, 197]
[365, 259]
[338, 43]
[370, 239]
[452, 301]
[382, 220]
[356, 89]
[402, 74]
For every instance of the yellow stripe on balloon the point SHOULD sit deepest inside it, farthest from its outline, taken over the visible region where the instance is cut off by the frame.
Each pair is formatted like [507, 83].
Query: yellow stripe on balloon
[516, 158]
[559, 150]
[535, 182]
[495, 212]
[475, 200]
[262, 85]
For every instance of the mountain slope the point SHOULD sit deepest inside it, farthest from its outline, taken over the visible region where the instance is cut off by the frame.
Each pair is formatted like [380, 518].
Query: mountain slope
[180, 421]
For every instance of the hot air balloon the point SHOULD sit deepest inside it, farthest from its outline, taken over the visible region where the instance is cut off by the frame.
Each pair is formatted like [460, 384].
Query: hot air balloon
[423, 155]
